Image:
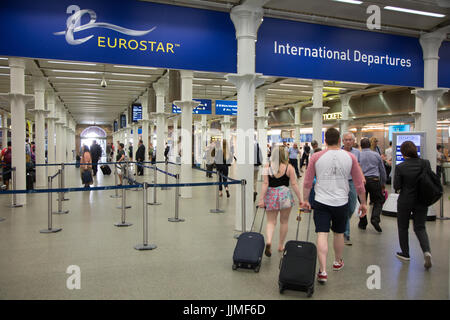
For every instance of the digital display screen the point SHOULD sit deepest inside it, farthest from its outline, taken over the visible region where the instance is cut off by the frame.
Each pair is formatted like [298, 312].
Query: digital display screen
[398, 128]
[136, 110]
[226, 108]
[305, 137]
[123, 121]
[115, 127]
[402, 138]
[205, 107]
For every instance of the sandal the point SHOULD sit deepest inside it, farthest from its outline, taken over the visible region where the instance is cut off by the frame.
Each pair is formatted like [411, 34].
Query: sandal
[267, 252]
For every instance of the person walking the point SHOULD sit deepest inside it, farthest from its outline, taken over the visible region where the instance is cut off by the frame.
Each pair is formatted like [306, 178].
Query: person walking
[209, 159]
[405, 183]
[375, 176]
[6, 160]
[440, 159]
[108, 152]
[331, 168]
[86, 167]
[140, 157]
[293, 158]
[349, 141]
[257, 156]
[223, 159]
[276, 196]
[305, 156]
[96, 154]
[374, 145]
[120, 157]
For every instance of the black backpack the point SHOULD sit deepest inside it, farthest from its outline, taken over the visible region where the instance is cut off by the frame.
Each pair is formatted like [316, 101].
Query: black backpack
[429, 185]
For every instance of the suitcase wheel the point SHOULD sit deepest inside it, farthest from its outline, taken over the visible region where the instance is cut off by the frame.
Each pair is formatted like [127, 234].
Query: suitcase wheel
[234, 266]
[257, 268]
[310, 292]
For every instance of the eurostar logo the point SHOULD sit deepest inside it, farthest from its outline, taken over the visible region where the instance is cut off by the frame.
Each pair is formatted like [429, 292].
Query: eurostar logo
[73, 25]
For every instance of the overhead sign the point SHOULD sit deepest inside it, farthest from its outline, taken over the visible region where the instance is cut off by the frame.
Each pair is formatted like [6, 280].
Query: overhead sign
[136, 110]
[226, 108]
[123, 121]
[115, 126]
[313, 51]
[113, 31]
[398, 128]
[203, 108]
[332, 116]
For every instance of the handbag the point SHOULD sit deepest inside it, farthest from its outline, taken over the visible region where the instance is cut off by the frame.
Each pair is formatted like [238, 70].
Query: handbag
[429, 189]
[86, 177]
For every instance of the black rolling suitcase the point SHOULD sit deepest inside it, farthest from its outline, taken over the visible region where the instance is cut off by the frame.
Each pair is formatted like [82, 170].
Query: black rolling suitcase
[298, 264]
[249, 248]
[106, 170]
[30, 180]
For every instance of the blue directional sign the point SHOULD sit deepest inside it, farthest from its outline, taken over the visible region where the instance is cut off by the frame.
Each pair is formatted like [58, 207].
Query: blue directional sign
[226, 108]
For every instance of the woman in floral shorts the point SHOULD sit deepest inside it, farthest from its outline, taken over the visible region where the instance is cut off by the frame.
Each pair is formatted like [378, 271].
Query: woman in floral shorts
[276, 195]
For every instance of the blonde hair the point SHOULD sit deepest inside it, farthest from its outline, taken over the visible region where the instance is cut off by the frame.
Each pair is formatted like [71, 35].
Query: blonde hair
[277, 158]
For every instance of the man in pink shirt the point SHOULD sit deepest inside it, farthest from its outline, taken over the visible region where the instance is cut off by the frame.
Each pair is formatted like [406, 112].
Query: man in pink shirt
[332, 168]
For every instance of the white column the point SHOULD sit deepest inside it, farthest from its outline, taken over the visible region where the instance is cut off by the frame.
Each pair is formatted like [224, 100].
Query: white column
[18, 99]
[135, 139]
[430, 95]
[5, 129]
[246, 20]
[65, 134]
[317, 111]
[145, 123]
[297, 123]
[160, 91]
[358, 135]
[175, 138]
[58, 133]
[40, 113]
[204, 143]
[186, 104]
[417, 113]
[51, 131]
[345, 106]
[225, 126]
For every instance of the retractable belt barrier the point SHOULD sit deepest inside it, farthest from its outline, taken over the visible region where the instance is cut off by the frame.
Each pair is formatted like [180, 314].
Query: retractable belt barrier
[131, 184]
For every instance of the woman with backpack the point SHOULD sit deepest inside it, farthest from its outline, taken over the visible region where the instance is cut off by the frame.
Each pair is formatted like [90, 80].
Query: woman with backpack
[86, 167]
[6, 164]
[405, 183]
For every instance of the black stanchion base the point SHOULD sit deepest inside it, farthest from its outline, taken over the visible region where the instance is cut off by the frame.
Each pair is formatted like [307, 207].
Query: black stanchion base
[142, 247]
[437, 218]
[153, 203]
[15, 206]
[175, 220]
[114, 196]
[2, 219]
[65, 199]
[61, 212]
[216, 211]
[125, 224]
[126, 207]
[53, 230]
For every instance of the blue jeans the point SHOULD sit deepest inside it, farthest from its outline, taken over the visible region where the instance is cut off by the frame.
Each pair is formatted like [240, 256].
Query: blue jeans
[351, 206]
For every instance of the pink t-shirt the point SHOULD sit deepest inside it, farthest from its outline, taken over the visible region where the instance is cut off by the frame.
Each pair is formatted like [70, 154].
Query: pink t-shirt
[332, 169]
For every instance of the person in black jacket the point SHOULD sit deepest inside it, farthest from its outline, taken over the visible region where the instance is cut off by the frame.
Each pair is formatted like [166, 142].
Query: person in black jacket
[405, 181]
[223, 159]
[140, 157]
[96, 154]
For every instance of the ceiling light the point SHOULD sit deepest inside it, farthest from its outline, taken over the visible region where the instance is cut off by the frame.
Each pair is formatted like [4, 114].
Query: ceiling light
[344, 82]
[350, 1]
[133, 81]
[77, 71]
[91, 79]
[131, 75]
[333, 88]
[203, 79]
[282, 90]
[423, 13]
[1, 58]
[75, 63]
[133, 67]
[294, 85]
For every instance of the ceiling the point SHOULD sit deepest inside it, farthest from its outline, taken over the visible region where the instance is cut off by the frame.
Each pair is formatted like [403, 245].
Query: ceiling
[78, 87]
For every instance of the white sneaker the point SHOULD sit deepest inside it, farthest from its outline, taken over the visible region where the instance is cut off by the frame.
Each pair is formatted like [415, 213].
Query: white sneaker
[427, 258]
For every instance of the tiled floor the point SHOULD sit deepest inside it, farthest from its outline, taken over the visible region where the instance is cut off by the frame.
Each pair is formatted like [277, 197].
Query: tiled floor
[193, 258]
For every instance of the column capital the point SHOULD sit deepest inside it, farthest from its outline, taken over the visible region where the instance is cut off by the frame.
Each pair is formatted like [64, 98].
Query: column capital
[39, 111]
[239, 79]
[186, 104]
[16, 63]
[39, 83]
[247, 20]
[9, 96]
[345, 98]
[426, 93]
[261, 93]
[264, 118]
[186, 74]
[320, 108]
[431, 42]
[161, 87]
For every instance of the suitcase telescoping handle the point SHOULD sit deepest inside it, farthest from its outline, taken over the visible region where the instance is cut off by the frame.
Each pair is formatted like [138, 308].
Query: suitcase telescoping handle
[262, 220]
[309, 212]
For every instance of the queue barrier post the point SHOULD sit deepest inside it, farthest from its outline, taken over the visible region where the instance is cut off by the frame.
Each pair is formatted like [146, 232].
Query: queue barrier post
[166, 178]
[177, 202]
[123, 223]
[145, 245]
[14, 185]
[217, 209]
[243, 184]
[116, 191]
[441, 204]
[50, 228]
[60, 196]
[155, 181]
[63, 181]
